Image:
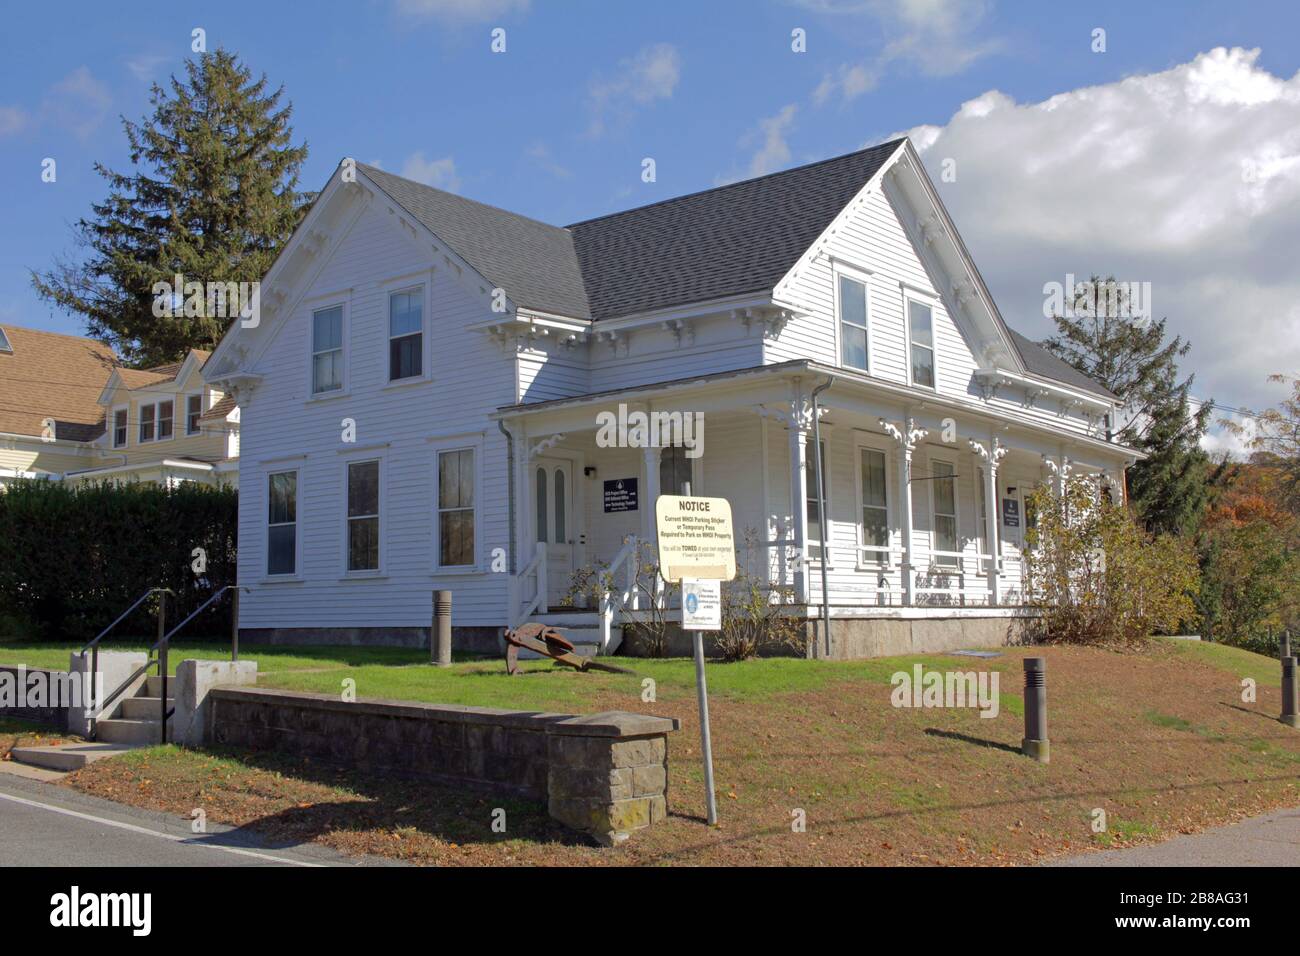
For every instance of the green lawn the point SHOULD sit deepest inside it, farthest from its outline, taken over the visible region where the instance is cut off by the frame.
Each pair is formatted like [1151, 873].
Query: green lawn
[269, 659]
[1266, 671]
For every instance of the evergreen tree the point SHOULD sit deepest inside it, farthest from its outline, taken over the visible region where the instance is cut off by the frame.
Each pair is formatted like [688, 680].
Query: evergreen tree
[212, 197]
[1103, 336]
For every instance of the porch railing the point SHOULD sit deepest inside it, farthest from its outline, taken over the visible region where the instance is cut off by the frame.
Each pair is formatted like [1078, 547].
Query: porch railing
[613, 603]
[535, 573]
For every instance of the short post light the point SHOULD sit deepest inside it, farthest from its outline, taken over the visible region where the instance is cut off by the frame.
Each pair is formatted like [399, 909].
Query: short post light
[1035, 743]
[440, 636]
[1290, 693]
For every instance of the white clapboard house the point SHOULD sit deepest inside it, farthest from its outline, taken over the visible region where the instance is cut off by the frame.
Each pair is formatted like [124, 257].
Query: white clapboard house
[422, 395]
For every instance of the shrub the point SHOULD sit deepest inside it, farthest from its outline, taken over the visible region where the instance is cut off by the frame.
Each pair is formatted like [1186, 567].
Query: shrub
[754, 611]
[72, 558]
[1097, 577]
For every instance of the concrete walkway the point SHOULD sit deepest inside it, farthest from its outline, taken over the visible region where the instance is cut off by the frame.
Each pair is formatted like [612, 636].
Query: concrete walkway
[1269, 840]
[44, 825]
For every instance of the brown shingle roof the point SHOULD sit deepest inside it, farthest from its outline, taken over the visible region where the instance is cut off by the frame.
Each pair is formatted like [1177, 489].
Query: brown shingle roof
[223, 407]
[49, 375]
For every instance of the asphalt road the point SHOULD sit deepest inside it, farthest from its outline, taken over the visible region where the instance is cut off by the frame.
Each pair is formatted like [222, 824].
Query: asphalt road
[44, 825]
[1269, 840]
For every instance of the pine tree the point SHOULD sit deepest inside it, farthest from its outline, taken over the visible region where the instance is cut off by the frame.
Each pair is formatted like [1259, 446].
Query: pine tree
[212, 197]
[1103, 337]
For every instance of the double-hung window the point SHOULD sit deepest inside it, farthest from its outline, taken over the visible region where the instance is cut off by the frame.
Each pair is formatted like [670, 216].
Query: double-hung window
[405, 334]
[282, 523]
[193, 409]
[327, 350]
[943, 485]
[875, 505]
[456, 508]
[119, 427]
[853, 323]
[363, 516]
[920, 318]
[147, 423]
[165, 415]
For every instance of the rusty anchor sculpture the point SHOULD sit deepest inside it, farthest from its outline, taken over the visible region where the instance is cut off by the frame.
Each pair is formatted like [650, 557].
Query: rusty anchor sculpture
[549, 642]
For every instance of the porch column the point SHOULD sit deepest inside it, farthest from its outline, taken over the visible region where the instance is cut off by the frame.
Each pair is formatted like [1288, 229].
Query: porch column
[907, 438]
[990, 456]
[650, 455]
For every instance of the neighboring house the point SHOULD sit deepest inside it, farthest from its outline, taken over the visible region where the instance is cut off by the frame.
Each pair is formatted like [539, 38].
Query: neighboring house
[70, 411]
[424, 388]
[166, 425]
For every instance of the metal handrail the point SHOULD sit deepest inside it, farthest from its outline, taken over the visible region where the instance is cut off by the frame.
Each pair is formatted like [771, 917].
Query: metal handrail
[122, 617]
[162, 645]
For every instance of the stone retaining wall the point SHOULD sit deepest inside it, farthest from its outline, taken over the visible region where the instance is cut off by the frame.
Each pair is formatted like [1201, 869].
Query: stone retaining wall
[604, 774]
[54, 717]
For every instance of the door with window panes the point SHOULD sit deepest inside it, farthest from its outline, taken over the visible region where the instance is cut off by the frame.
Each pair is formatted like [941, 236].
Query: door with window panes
[554, 522]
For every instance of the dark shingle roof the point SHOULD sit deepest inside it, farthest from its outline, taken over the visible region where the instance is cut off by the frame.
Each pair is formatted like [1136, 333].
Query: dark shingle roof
[1044, 364]
[727, 241]
[721, 242]
[533, 261]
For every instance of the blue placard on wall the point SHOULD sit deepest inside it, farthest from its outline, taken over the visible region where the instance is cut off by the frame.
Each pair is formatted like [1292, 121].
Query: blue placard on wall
[620, 495]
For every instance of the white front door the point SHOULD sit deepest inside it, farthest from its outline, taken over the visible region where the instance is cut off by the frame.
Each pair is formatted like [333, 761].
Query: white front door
[554, 523]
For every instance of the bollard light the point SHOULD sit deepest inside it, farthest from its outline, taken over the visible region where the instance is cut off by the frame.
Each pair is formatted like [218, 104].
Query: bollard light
[1284, 645]
[1035, 743]
[1290, 694]
[440, 636]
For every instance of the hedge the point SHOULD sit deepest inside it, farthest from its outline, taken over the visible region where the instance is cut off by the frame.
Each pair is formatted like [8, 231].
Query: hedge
[72, 558]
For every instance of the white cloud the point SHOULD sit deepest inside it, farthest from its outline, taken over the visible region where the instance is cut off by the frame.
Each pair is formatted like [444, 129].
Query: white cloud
[541, 156]
[438, 173]
[936, 37]
[144, 66]
[12, 120]
[638, 81]
[1188, 179]
[1217, 439]
[77, 103]
[465, 11]
[774, 151]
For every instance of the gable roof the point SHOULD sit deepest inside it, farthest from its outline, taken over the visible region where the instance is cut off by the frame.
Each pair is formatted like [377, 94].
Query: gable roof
[1044, 364]
[48, 375]
[134, 378]
[732, 240]
[533, 261]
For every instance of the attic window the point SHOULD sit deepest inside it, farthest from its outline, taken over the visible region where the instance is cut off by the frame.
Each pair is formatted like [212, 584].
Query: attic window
[4, 343]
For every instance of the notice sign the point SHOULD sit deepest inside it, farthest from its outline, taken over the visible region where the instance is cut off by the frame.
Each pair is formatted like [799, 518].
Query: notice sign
[695, 538]
[620, 495]
[1011, 512]
[701, 605]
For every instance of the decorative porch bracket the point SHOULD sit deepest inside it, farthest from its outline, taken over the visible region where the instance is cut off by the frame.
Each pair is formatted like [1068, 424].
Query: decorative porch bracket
[908, 436]
[991, 455]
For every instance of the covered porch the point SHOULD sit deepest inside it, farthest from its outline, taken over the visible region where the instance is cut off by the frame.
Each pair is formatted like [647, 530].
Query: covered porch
[924, 501]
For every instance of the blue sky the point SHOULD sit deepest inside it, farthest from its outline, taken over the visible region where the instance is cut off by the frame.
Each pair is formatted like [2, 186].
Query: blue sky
[557, 126]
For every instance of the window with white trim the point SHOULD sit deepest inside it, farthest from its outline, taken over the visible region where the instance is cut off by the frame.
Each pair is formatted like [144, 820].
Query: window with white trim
[119, 427]
[853, 322]
[943, 488]
[405, 334]
[282, 523]
[456, 508]
[146, 423]
[327, 350]
[920, 320]
[814, 521]
[166, 411]
[193, 409]
[363, 515]
[875, 504]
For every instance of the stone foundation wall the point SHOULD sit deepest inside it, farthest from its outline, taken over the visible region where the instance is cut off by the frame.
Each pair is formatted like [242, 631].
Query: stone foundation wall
[604, 774]
[56, 718]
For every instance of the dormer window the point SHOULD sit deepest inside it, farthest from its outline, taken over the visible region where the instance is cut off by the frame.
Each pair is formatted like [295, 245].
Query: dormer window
[4, 343]
[119, 428]
[853, 322]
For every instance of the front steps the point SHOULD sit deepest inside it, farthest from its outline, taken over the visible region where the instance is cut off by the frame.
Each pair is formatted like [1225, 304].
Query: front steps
[134, 723]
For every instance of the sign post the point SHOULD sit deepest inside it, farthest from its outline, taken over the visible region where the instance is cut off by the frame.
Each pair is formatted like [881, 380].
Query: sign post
[697, 548]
